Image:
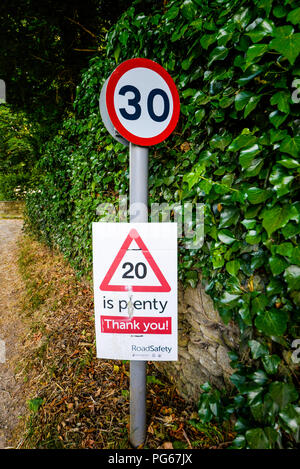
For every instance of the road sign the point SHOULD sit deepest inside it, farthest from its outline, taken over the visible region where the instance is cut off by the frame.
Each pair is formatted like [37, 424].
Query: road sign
[135, 268]
[135, 288]
[142, 101]
[137, 272]
[106, 119]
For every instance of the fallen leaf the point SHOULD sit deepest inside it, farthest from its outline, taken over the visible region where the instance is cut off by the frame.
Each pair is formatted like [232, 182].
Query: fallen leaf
[167, 445]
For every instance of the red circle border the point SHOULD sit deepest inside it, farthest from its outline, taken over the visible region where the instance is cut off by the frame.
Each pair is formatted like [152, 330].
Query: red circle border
[110, 90]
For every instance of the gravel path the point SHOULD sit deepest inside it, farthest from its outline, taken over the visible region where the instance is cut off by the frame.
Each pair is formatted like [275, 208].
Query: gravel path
[11, 403]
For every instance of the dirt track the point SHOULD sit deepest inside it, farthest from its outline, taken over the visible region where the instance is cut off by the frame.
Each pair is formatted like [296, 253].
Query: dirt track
[11, 405]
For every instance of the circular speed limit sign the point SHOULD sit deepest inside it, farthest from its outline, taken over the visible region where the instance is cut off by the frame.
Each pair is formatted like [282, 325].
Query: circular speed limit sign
[142, 101]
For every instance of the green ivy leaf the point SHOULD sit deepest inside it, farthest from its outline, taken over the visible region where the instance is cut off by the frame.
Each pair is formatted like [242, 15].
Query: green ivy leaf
[290, 230]
[253, 237]
[259, 377]
[277, 118]
[257, 196]
[295, 256]
[243, 140]
[251, 105]
[292, 277]
[239, 442]
[249, 223]
[271, 363]
[280, 180]
[257, 349]
[259, 29]
[252, 72]
[199, 115]
[272, 322]
[281, 99]
[238, 380]
[117, 52]
[258, 438]
[189, 9]
[123, 37]
[276, 218]
[289, 163]
[233, 267]
[291, 145]
[274, 287]
[218, 53]
[286, 42]
[226, 237]
[277, 265]
[191, 278]
[255, 51]
[242, 17]
[207, 40]
[259, 303]
[172, 12]
[229, 299]
[220, 141]
[294, 16]
[247, 155]
[241, 99]
[283, 393]
[193, 177]
[284, 249]
[291, 417]
[228, 217]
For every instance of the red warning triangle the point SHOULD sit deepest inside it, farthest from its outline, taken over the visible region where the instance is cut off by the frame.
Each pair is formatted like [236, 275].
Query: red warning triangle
[133, 235]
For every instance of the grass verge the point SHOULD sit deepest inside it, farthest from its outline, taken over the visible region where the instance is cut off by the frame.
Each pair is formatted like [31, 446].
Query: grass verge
[74, 399]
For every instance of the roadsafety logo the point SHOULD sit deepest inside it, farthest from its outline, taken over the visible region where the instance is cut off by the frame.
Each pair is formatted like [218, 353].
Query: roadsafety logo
[2, 92]
[296, 354]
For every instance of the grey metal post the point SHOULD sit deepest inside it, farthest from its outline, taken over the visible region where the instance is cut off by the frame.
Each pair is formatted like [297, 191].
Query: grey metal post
[138, 195]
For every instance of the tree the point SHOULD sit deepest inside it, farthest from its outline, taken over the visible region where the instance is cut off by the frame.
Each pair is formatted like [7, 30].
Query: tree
[18, 153]
[45, 45]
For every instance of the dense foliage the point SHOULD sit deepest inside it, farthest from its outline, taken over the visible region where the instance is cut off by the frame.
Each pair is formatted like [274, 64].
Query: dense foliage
[44, 46]
[236, 149]
[18, 153]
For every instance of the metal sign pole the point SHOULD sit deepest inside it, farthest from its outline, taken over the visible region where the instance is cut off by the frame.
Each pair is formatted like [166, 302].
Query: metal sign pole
[138, 195]
[138, 121]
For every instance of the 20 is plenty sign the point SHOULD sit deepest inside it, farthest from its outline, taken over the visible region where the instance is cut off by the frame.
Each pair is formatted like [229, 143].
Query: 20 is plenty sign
[141, 101]
[135, 265]
[135, 288]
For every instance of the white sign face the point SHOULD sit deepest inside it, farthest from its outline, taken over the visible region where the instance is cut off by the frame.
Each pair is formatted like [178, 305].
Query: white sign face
[142, 101]
[145, 109]
[135, 290]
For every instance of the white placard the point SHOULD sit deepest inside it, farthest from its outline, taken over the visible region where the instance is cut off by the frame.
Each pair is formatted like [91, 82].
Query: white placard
[135, 290]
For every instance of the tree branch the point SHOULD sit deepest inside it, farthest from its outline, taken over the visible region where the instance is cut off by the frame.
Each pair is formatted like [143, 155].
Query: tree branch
[86, 50]
[83, 27]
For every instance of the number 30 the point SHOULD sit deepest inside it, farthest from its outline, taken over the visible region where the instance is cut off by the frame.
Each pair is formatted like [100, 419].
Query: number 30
[134, 102]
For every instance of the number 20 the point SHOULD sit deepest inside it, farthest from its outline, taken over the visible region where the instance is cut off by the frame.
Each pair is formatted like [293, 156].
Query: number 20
[134, 102]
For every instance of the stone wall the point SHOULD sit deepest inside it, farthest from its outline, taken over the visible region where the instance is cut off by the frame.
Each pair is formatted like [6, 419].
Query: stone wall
[204, 341]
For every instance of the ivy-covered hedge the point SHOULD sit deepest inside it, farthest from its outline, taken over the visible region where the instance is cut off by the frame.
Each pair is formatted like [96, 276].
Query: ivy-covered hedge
[236, 149]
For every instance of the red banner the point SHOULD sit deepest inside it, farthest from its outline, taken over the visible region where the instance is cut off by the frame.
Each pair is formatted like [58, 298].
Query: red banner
[136, 325]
